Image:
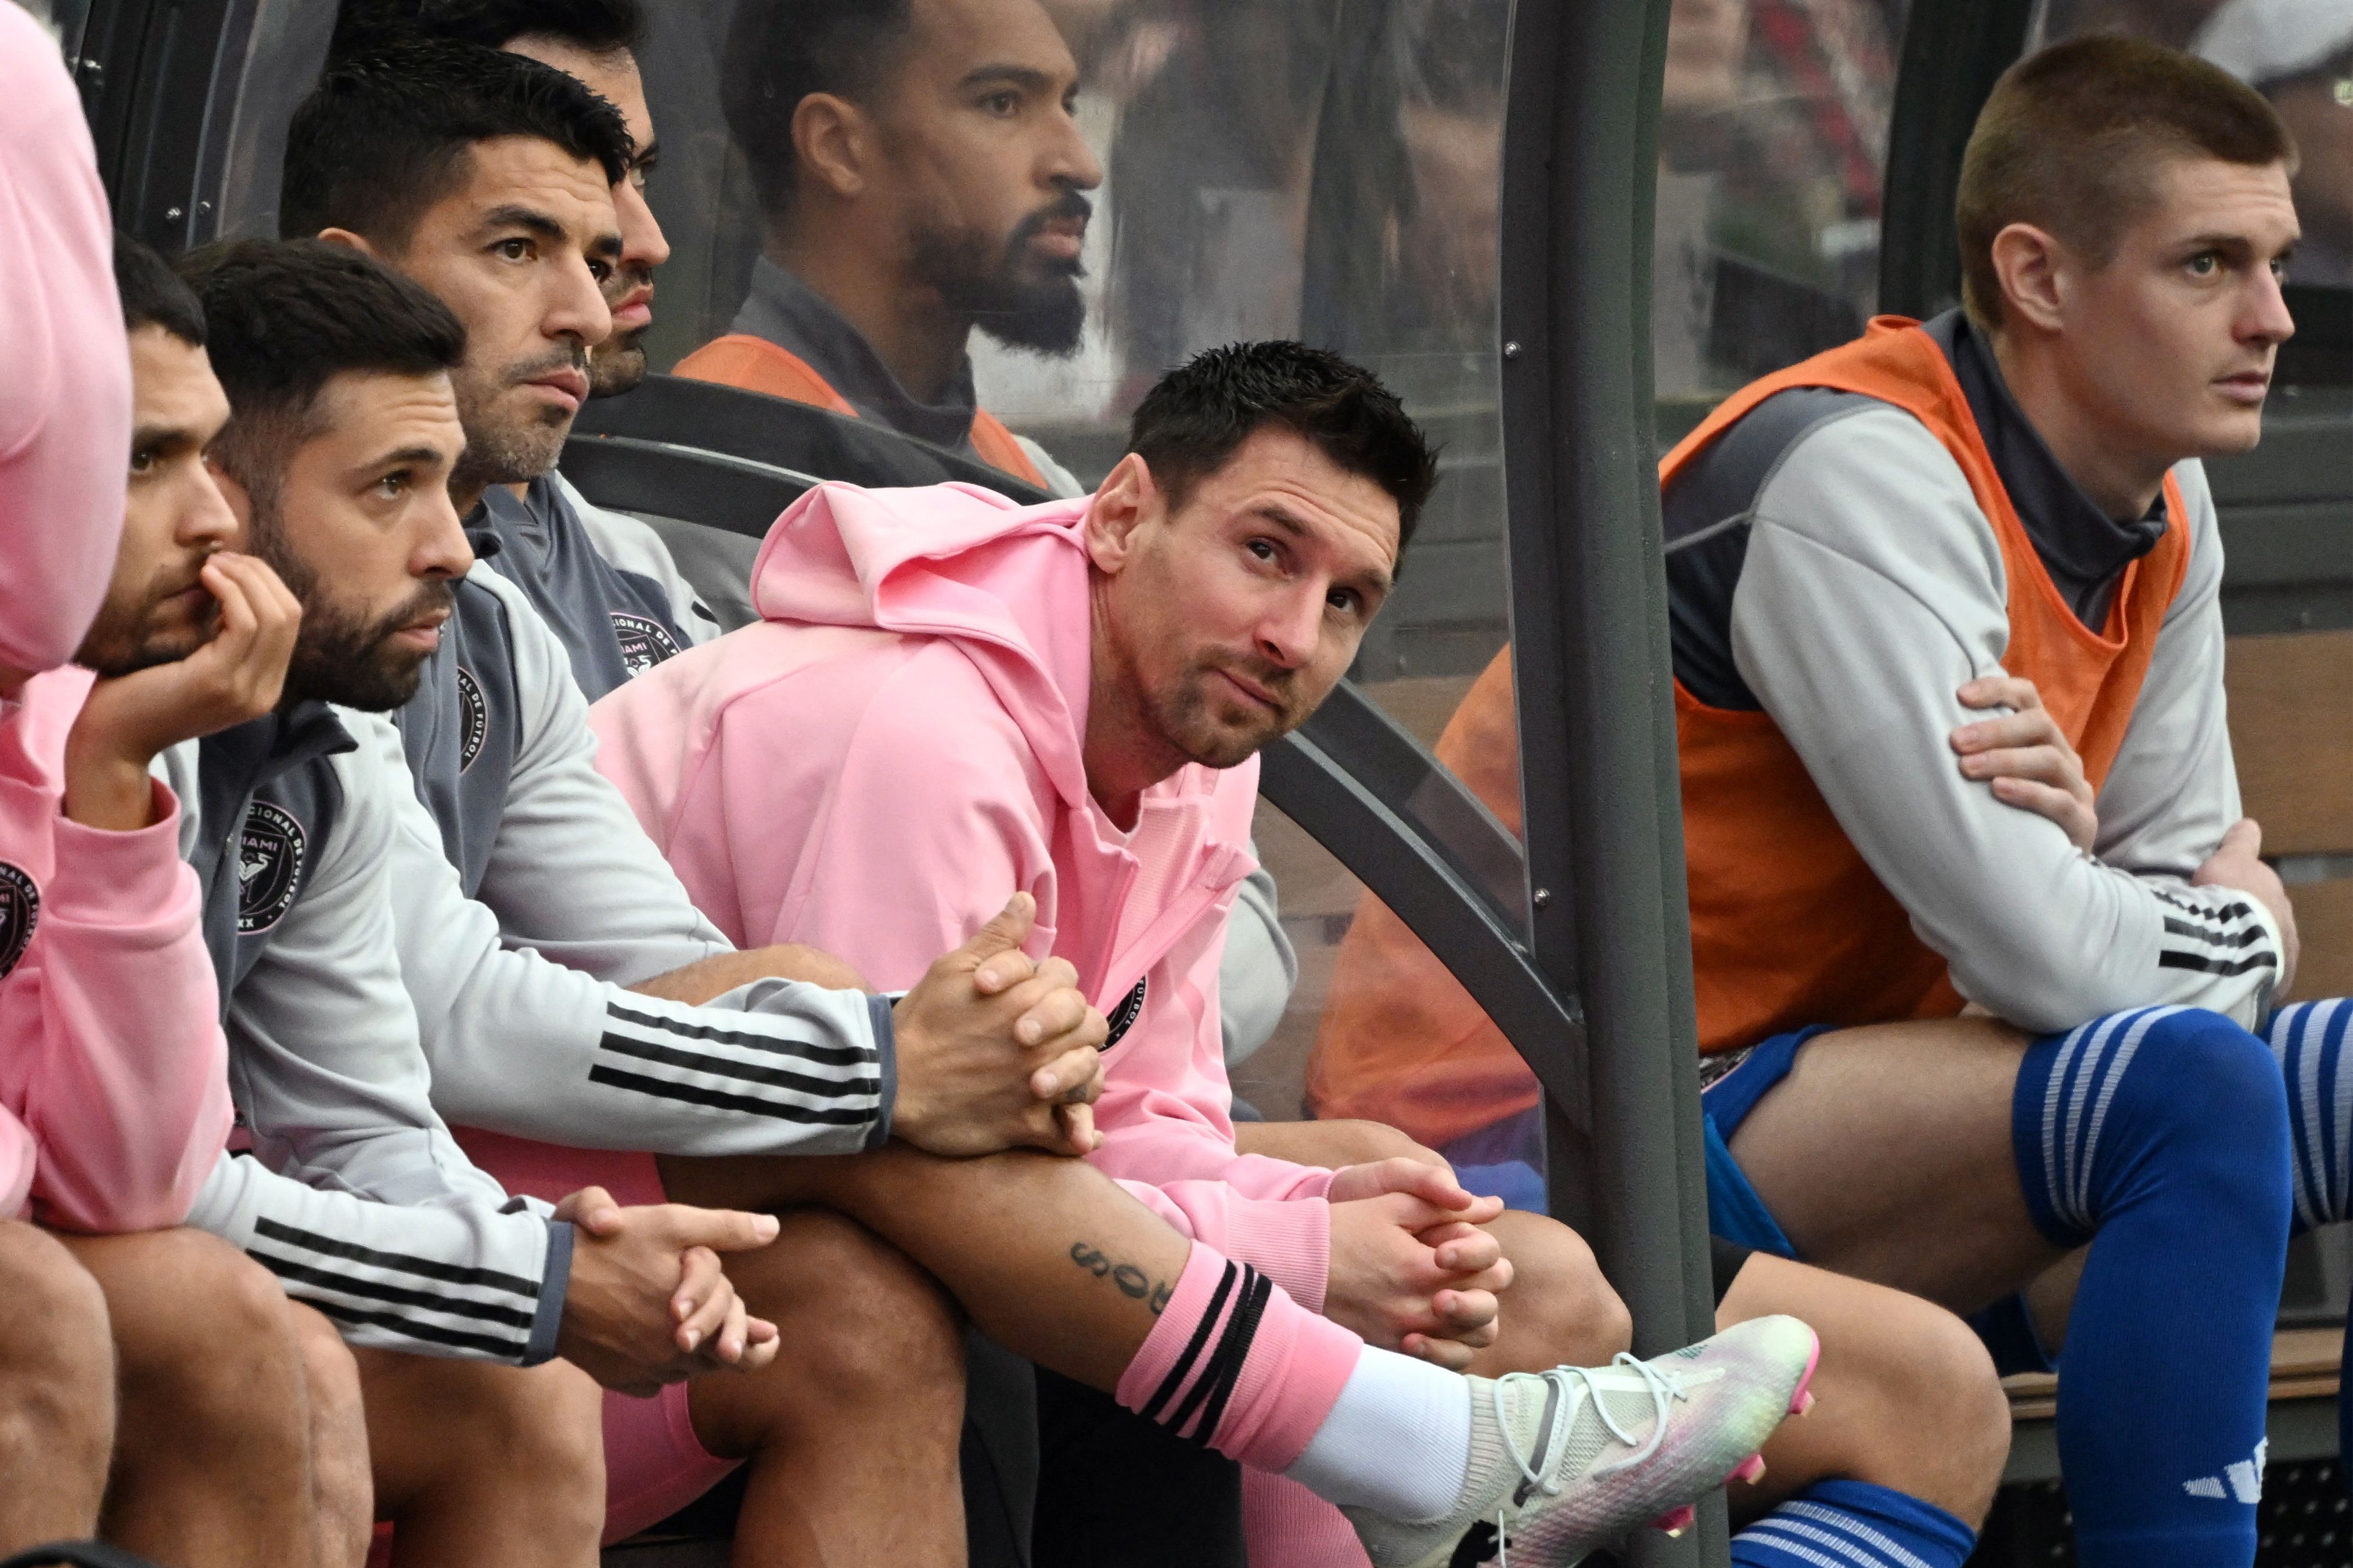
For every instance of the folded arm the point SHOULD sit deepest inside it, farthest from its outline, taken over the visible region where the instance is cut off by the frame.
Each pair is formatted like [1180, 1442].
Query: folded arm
[1872, 591]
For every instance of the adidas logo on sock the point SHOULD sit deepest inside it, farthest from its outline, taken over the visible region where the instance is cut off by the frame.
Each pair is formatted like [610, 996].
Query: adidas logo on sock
[2242, 1481]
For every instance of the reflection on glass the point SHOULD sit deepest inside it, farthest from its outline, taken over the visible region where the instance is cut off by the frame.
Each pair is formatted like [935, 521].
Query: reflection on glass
[1772, 145]
[2300, 57]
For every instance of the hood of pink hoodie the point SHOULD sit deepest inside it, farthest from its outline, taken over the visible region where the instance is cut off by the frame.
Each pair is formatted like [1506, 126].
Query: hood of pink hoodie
[64, 405]
[963, 562]
[944, 561]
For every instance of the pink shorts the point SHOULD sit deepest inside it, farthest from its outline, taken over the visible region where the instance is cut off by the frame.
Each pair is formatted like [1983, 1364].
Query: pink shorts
[654, 1464]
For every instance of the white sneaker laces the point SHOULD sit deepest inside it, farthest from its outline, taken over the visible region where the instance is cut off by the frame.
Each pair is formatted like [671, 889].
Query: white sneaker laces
[1665, 1389]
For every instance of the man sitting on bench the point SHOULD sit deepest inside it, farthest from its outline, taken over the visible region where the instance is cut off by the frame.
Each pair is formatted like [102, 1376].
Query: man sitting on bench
[1990, 536]
[949, 694]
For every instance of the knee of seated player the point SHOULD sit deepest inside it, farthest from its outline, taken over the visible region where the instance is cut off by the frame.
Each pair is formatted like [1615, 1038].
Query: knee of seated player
[2213, 1081]
[339, 1446]
[859, 1322]
[1558, 1298]
[205, 1343]
[439, 1427]
[1907, 1396]
[56, 1360]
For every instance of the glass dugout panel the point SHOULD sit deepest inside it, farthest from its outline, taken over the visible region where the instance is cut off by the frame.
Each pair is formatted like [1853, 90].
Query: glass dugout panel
[1772, 156]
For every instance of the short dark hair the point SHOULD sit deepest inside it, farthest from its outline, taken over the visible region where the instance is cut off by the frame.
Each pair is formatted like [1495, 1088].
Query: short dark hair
[287, 316]
[2072, 139]
[387, 134]
[781, 51]
[153, 294]
[1198, 416]
[598, 27]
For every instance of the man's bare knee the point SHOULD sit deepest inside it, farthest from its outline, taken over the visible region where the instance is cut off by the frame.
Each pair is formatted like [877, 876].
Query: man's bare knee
[870, 1342]
[345, 1490]
[854, 1304]
[56, 1364]
[1909, 1398]
[1558, 1293]
[442, 1428]
[217, 1347]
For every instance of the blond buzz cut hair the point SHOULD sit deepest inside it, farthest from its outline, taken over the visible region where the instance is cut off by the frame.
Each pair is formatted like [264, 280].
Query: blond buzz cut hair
[2074, 137]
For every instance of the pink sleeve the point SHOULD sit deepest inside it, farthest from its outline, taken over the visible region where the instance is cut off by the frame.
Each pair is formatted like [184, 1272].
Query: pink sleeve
[15, 1165]
[1166, 1115]
[130, 1101]
[65, 404]
[1289, 1241]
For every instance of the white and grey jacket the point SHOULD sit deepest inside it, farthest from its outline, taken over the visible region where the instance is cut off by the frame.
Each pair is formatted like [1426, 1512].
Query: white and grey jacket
[353, 1192]
[517, 987]
[1828, 563]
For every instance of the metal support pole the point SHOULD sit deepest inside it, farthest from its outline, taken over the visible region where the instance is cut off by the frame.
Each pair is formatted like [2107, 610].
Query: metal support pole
[1590, 657]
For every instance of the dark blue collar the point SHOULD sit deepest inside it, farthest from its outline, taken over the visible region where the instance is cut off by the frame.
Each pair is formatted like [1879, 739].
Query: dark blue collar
[2084, 549]
[791, 314]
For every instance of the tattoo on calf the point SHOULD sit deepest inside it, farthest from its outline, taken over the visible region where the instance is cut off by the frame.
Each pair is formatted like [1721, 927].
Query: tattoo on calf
[1133, 1283]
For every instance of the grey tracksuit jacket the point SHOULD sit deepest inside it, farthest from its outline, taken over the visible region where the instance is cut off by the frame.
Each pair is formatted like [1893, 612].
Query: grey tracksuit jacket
[368, 998]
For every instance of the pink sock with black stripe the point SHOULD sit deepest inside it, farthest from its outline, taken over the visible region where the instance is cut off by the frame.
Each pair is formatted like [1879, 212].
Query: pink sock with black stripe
[1236, 1364]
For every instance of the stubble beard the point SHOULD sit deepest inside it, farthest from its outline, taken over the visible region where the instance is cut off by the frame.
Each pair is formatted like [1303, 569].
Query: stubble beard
[341, 654]
[991, 283]
[120, 645]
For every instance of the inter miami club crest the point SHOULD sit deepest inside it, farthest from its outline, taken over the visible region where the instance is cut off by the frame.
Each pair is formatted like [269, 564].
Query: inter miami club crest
[1123, 1016]
[269, 855]
[20, 911]
[644, 644]
[473, 718]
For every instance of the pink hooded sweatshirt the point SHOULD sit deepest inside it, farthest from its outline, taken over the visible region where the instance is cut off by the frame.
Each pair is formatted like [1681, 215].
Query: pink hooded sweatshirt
[113, 1073]
[896, 748]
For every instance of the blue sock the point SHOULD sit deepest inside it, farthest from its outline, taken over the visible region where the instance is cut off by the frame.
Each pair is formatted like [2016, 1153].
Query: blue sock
[2308, 1038]
[1854, 1524]
[2160, 1137]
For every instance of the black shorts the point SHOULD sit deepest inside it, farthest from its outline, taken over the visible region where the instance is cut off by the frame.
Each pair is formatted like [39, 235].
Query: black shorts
[1726, 1259]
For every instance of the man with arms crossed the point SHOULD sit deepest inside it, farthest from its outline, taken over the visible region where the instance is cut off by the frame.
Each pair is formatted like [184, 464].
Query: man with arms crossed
[154, 1381]
[937, 652]
[2000, 510]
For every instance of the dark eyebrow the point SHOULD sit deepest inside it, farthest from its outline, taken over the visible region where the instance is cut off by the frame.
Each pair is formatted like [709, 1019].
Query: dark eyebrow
[1377, 580]
[147, 436]
[1282, 518]
[406, 456]
[648, 156]
[1028, 76]
[530, 219]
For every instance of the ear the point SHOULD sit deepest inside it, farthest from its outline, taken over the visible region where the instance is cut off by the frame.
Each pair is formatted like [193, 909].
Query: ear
[345, 238]
[2031, 263]
[834, 140]
[1125, 501]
